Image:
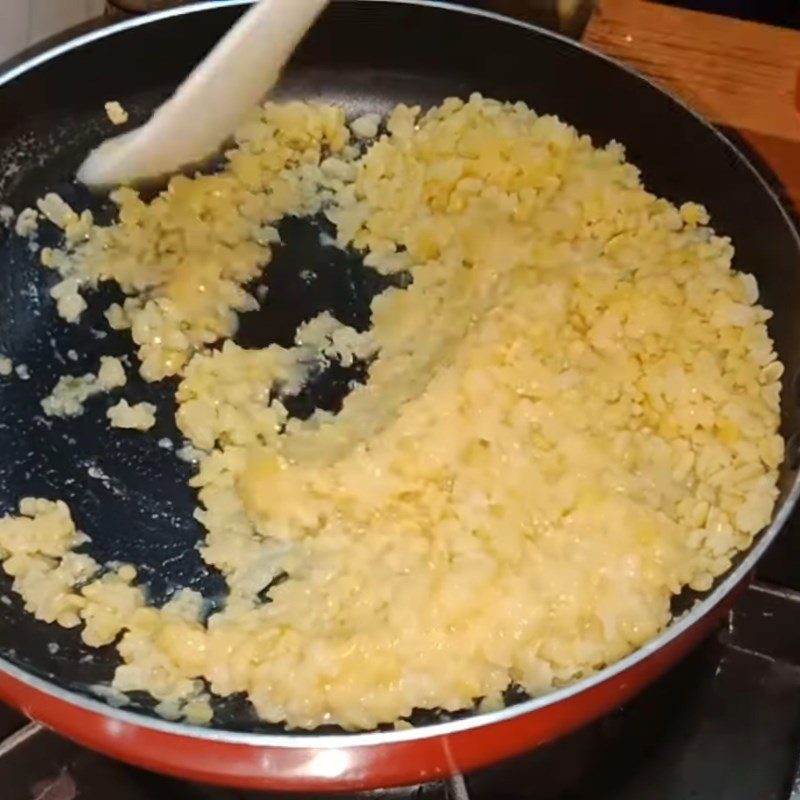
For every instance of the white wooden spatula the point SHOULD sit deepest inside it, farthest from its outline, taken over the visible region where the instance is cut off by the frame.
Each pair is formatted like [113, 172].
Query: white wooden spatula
[211, 102]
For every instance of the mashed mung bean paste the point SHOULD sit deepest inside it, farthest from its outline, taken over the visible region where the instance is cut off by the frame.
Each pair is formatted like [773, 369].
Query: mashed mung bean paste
[571, 414]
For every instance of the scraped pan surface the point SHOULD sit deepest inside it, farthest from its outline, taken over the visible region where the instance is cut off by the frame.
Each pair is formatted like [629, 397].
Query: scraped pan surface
[129, 492]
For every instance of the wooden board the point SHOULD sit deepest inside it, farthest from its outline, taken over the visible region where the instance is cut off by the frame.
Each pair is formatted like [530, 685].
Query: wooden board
[740, 74]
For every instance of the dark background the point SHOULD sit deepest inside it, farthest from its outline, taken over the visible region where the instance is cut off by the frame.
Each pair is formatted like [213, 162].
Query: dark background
[775, 12]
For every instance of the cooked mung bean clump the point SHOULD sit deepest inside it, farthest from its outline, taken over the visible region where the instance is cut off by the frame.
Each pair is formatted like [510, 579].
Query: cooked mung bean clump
[571, 414]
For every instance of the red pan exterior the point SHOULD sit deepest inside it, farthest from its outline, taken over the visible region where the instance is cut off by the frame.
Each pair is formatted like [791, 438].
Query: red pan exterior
[391, 763]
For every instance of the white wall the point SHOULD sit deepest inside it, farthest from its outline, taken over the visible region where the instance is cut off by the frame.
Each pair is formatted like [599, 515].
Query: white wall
[24, 22]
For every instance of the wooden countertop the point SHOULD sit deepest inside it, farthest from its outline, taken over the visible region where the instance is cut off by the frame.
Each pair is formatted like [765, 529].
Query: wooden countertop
[739, 74]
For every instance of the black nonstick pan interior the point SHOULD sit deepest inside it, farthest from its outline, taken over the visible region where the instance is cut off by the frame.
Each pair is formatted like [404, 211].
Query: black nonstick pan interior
[126, 490]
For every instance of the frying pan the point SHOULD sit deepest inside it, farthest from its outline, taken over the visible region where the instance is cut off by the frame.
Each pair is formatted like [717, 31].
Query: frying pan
[131, 495]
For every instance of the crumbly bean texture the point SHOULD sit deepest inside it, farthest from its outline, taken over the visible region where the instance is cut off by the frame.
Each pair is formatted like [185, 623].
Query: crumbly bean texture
[571, 414]
[116, 114]
[138, 417]
[72, 391]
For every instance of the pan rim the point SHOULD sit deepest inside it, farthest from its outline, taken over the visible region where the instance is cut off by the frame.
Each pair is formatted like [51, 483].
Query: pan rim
[672, 632]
